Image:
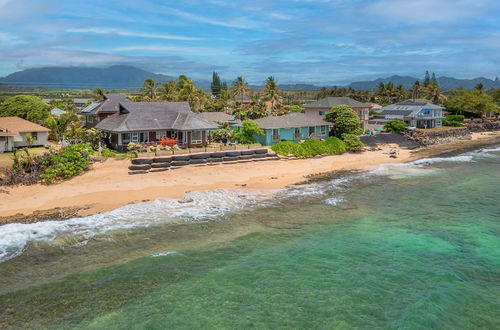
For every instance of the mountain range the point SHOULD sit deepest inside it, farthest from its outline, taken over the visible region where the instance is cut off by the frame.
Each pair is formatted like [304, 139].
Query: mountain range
[129, 77]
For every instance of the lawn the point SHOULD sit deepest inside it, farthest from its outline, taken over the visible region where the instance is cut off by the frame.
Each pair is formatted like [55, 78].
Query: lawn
[6, 158]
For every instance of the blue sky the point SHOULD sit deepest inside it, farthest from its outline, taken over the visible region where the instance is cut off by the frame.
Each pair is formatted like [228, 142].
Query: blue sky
[319, 41]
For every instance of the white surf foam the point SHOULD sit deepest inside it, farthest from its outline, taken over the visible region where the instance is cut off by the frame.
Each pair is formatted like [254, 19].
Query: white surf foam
[194, 207]
[163, 254]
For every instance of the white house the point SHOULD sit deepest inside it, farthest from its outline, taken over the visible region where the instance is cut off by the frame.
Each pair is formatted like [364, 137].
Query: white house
[14, 132]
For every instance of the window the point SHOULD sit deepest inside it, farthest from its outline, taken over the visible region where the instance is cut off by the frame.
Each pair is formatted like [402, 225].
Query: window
[125, 138]
[135, 137]
[321, 113]
[297, 133]
[276, 134]
[143, 137]
[323, 130]
[311, 130]
[34, 135]
[196, 137]
[161, 134]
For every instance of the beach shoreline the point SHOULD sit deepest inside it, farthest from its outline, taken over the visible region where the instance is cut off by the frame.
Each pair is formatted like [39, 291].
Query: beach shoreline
[108, 186]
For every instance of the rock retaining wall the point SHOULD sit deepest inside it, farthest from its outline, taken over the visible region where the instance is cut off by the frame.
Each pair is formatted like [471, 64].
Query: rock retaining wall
[160, 164]
[439, 136]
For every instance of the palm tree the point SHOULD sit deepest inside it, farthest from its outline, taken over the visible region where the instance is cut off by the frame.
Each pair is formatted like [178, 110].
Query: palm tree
[149, 90]
[271, 91]
[240, 87]
[98, 94]
[434, 93]
[415, 90]
[168, 93]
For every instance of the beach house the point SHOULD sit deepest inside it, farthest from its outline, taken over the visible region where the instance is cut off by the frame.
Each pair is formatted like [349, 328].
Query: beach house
[148, 122]
[14, 133]
[97, 111]
[415, 114]
[292, 127]
[320, 107]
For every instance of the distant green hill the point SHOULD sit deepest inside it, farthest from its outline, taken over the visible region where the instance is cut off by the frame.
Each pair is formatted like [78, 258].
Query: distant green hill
[114, 77]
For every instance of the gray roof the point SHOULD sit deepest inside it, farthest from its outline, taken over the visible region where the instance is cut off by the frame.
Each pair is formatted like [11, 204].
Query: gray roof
[110, 104]
[57, 112]
[146, 116]
[408, 108]
[330, 102]
[290, 121]
[220, 117]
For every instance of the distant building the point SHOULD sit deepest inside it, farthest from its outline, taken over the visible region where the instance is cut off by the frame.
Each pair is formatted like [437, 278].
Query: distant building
[415, 114]
[320, 107]
[14, 133]
[56, 112]
[292, 127]
[243, 99]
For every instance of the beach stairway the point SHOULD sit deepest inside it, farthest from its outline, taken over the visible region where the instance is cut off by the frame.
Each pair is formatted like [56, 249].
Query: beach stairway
[160, 164]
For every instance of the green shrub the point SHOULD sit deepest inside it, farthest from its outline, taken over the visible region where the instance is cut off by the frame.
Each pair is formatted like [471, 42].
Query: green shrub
[452, 123]
[458, 118]
[352, 142]
[395, 126]
[285, 148]
[314, 147]
[335, 145]
[68, 162]
[310, 148]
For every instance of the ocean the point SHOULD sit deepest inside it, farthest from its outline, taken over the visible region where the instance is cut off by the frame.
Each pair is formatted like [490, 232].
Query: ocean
[412, 246]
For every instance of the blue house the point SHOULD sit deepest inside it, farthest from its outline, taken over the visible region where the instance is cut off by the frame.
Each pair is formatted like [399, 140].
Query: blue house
[292, 127]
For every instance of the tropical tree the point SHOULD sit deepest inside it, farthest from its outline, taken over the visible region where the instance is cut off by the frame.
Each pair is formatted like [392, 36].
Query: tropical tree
[248, 131]
[168, 92]
[434, 93]
[149, 90]
[345, 120]
[59, 125]
[28, 107]
[479, 87]
[216, 84]
[271, 91]
[472, 101]
[415, 90]
[239, 87]
[395, 126]
[98, 94]
[427, 79]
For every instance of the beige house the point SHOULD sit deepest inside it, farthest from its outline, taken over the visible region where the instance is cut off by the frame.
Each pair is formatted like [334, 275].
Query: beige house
[14, 132]
[320, 107]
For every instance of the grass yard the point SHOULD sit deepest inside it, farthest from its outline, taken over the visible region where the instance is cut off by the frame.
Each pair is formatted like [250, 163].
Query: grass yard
[6, 158]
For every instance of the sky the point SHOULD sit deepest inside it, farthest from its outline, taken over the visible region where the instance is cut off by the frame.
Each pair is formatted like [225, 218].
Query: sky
[296, 41]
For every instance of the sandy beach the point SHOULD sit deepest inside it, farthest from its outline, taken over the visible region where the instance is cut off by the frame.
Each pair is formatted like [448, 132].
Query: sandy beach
[107, 186]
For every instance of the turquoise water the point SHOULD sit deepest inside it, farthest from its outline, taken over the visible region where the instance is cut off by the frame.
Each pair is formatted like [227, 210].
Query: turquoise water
[413, 246]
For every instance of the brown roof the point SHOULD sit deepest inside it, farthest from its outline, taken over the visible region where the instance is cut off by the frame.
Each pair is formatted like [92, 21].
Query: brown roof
[16, 125]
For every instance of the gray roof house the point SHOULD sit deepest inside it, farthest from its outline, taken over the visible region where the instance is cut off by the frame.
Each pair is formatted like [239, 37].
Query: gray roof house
[292, 127]
[320, 107]
[415, 114]
[148, 122]
[97, 111]
[221, 117]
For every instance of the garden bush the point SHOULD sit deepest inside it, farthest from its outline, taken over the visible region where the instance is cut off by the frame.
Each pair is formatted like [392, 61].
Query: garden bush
[68, 162]
[352, 142]
[395, 126]
[285, 148]
[310, 148]
[335, 145]
[453, 120]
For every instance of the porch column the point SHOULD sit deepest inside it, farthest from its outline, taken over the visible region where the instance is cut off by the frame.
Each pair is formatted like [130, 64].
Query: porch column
[120, 139]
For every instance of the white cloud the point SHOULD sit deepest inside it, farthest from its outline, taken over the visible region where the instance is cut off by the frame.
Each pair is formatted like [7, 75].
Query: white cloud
[424, 11]
[126, 33]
